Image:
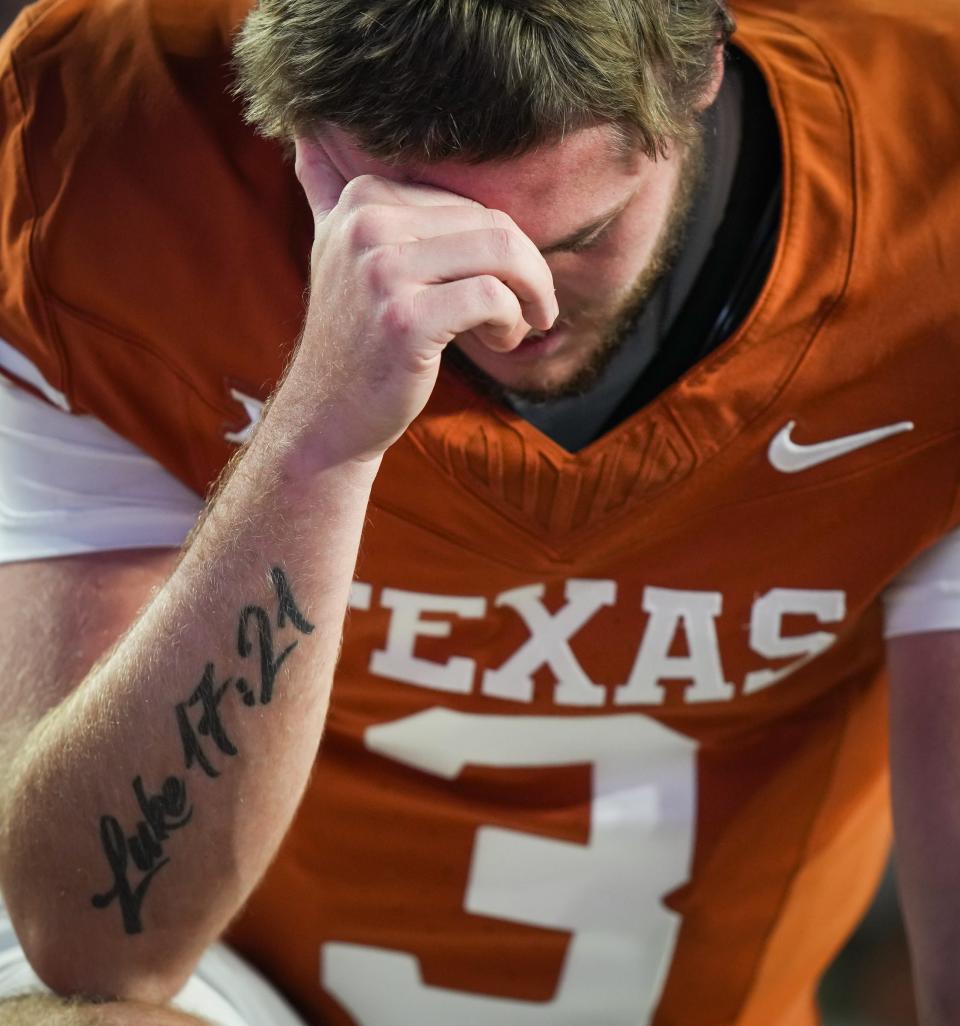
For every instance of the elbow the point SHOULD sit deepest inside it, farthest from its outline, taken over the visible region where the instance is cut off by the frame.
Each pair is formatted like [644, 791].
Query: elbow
[76, 950]
[78, 964]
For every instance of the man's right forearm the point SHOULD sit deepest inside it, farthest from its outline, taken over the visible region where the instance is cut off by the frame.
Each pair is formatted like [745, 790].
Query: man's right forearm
[143, 810]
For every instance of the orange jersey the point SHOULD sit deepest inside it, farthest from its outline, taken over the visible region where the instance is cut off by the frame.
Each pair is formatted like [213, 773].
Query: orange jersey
[607, 742]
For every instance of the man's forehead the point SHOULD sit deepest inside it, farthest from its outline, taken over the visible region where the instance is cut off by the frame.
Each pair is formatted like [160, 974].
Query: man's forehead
[548, 192]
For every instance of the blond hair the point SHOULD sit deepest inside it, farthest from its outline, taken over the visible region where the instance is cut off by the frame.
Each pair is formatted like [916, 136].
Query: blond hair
[427, 80]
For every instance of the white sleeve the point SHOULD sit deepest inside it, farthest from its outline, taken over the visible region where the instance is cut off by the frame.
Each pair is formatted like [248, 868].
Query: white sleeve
[68, 485]
[926, 596]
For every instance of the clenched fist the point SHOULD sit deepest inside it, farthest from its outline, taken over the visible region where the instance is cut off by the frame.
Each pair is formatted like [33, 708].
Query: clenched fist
[398, 271]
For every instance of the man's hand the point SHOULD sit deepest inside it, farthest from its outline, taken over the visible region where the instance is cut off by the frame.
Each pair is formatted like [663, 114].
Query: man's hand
[399, 271]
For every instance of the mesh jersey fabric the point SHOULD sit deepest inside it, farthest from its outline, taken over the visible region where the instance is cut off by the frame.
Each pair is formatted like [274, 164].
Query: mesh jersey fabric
[607, 741]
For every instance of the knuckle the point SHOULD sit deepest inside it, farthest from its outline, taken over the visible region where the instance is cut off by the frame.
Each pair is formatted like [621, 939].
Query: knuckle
[379, 268]
[365, 227]
[360, 190]
[398, 318]
[489, 290]
[504, 243]
[501, 220]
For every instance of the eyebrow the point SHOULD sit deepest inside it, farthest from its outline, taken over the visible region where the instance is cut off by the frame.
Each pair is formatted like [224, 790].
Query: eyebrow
[584, 233]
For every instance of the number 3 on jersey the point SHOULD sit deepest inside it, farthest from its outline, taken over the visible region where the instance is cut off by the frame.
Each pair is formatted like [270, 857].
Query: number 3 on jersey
[607, 893]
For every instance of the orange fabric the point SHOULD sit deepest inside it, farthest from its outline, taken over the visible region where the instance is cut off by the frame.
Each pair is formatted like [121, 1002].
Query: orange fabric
[153, 257]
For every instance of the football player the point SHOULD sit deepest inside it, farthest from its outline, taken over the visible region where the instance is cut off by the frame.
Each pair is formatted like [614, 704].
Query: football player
[630, 352]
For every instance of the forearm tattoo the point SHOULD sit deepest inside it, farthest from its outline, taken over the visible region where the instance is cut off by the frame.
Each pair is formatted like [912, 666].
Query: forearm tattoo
[202, 734]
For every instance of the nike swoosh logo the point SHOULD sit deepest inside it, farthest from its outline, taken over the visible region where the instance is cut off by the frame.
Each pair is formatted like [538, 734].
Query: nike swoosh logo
[790, 458]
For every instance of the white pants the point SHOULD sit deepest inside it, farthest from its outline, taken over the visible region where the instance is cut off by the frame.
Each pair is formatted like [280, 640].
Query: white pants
[224, 989]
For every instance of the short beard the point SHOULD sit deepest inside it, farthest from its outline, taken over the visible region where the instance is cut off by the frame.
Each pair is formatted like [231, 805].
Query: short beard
[617, 329]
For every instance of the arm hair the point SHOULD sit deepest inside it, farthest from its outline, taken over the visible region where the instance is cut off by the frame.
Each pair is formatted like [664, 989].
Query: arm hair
[49, 1010]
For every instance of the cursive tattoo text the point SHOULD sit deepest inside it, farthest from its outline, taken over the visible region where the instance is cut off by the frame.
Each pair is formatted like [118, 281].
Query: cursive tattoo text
[169, 810]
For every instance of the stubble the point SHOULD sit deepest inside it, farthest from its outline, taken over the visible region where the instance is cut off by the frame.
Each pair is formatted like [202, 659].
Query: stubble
[614, 330]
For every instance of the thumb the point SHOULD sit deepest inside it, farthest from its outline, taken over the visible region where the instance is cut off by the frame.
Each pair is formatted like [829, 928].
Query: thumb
[321, 182]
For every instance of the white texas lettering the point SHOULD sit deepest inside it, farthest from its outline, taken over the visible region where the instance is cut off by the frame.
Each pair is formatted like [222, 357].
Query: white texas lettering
[548, 644]
[397, 660]
[672, 615]
[696, 612]
[766, 630]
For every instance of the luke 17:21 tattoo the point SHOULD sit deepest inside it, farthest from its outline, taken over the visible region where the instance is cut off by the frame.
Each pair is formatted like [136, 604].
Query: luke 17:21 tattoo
[169, 810]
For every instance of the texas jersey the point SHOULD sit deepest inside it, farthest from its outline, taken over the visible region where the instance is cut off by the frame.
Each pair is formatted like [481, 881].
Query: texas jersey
[607, 739]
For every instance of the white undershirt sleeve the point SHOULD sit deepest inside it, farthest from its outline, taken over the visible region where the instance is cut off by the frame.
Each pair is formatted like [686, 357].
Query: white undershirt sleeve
[926, 596]
[68, 485]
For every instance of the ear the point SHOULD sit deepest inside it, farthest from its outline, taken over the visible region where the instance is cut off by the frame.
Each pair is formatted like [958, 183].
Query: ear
[716, 80]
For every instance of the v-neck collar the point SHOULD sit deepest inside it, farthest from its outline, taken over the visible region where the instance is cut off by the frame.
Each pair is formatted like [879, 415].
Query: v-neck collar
[491, 449]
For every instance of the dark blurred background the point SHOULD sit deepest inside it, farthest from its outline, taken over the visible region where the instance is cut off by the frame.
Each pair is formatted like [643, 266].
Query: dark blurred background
[9, 9]
[869, 984]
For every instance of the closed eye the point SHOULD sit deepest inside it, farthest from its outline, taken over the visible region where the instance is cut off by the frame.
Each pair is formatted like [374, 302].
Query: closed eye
[588, 237]
[591, 243]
